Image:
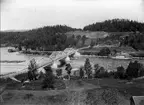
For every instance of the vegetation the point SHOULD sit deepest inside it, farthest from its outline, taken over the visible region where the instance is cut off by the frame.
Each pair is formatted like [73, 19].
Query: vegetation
[49, 79]
[46, 38]
[68, 69]
[55, 37]
[32, 73]
[92, 44]
[116, 25]
[59, 72]
[88, 68]
[104, 52]
[120, 72]
[135, 40]
[134, 70]
[81, 72]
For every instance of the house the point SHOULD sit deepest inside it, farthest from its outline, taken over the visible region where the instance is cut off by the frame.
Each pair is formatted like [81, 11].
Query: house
[137, 100]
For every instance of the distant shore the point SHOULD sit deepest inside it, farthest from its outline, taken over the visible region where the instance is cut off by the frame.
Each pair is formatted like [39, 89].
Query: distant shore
[16, 61]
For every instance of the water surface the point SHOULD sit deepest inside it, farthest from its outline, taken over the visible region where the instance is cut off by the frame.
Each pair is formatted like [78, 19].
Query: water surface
[107, 63]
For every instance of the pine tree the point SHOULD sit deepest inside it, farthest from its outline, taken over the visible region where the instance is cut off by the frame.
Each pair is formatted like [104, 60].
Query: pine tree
[88, 68]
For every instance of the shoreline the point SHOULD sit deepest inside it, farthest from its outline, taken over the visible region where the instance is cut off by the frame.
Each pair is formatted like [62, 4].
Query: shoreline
[14, 61]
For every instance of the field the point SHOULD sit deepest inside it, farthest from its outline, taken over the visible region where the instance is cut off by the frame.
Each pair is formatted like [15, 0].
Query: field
[119, 49]
[78, 92]
[133, 88]
[91, 35]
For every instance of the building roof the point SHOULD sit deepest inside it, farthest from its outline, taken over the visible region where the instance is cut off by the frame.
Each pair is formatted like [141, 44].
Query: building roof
[138, 100]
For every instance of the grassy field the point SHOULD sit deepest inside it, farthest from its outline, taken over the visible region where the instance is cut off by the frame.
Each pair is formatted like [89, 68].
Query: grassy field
[104, 91]
[97, 49]
[78, 92]
[92, 35]
[134, 88]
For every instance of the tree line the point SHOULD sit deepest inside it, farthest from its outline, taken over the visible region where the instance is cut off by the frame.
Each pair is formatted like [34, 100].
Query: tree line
[46, 38]
[116, 25]
[54, 37]
[134, 70]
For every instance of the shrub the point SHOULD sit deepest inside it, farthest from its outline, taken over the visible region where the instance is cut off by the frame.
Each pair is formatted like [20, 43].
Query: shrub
[81, 73]
[104, 52]
[32, 73]
[59, 72]
[68, 69]
[141, 70]
[120, 72]
[132, 70]
[100, 72]
[96, 68]
[62, 63]
[49, 79]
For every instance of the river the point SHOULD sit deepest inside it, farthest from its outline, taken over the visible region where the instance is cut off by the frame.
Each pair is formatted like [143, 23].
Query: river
[108, 64]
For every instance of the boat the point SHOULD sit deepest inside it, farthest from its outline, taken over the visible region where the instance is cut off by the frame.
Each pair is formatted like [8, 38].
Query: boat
[11, 50]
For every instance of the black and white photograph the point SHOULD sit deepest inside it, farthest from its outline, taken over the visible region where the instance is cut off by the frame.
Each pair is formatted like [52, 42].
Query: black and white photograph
[71, 52]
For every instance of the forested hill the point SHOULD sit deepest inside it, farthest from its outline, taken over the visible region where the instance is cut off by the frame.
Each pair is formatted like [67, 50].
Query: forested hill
[58, 38]
[49, 37]
[116, 25]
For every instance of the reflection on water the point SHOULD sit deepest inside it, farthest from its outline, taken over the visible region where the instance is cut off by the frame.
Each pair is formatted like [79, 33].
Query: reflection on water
[108, 64]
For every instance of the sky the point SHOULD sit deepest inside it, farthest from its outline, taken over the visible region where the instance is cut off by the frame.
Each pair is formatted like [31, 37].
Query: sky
[30, 14]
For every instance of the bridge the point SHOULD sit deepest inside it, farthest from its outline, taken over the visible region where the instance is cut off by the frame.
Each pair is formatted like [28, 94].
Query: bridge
[55, 56]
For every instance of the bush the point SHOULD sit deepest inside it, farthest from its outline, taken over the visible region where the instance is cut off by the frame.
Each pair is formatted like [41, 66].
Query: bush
[68, 69]
[81, 73]
[120, 72]
[100, 72]
[132, 70]
[49, 79]
[104, 52]
[59, 72]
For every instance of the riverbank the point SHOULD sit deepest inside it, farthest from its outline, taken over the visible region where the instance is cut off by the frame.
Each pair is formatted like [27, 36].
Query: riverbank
[37, 52]
[85, 53]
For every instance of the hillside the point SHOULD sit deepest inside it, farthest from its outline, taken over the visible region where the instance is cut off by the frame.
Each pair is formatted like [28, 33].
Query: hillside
[45, 38]
[115, 31]
[89, 34]
[116, 25]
